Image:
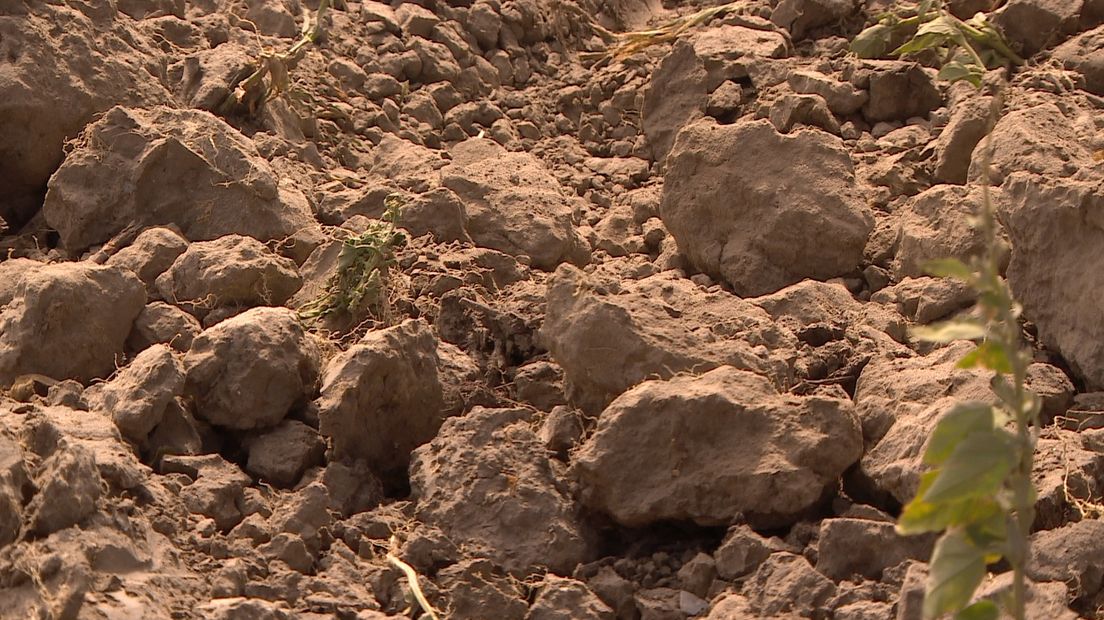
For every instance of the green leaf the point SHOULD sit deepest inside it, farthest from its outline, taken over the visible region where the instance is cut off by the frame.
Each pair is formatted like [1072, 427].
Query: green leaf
[950, 331]
[988, 529]
[962, 420]
[976, 468]
[919, 516]
[956, 71]
[872, 42]
[935, 33]
[949, 268]
[943, 26]
[989, 354]
[984, 609]
[920, 43]
[957, 568]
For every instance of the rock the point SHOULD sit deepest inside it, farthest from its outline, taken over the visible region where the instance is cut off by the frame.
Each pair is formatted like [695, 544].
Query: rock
[240, 608]
[790, 110]
[740, 217]
[382, 397]
[13, 272]
[69, 486]
[206, 78]
[1044, 600]
[935, 224]
[1032, 25]
[741, 552]
[965, 9]
[730, 607]
[65, 64]
[81, 309]
[659, 604]
[163, 166]
[801, 17]
[899, 90]
[540, 384]
[438, 212]
[271, 18]
[711, 448]
[728, 51]
[15, 489]
[725, 101]
[787, 583]
[615, 591]
[1040, 139]
[608, 340]
[485, 481]
[530, 218]
[479, 589]
[902, 400]
[150, 254]
[970, 120]
[696, 575]
[49, 429]
[842, 98]
[676, 95]
[1053, 227]
[485, 23]
[890, 389]
[817, 311]
[137, 397]
[438, 63]
[863, 610]
[562, 430]
[1053, 388]
[410, 166]
[178, 433]
[247, 372]
[567, 599]
[926, 299]
[281, 455]
[352, 488]
[1070, 554]
[217, 488]
[160, 323]
[850, 547]
[1085, 55]
[289, 549]
[416, 20]
[229, 272]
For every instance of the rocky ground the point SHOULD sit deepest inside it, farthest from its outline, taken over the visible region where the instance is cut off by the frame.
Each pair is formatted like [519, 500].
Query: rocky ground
[642, 351]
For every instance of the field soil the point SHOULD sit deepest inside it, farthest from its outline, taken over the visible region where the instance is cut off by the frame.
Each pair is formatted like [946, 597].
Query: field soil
[312, 312]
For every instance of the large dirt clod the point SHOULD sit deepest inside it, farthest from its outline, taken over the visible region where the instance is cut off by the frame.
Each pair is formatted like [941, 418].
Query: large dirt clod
[64, 63]
[69, 321]
[514, 205]
[232, 271]
[762, 223]
[485, 481]
[163, 166]
[1053, 225]
[713, 448]
[608, 338]
[137, 397]
[248, 371]
[382, 398]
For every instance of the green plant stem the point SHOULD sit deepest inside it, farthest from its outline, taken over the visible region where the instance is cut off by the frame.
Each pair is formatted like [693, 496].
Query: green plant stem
[985, 37]
[1025, 414]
